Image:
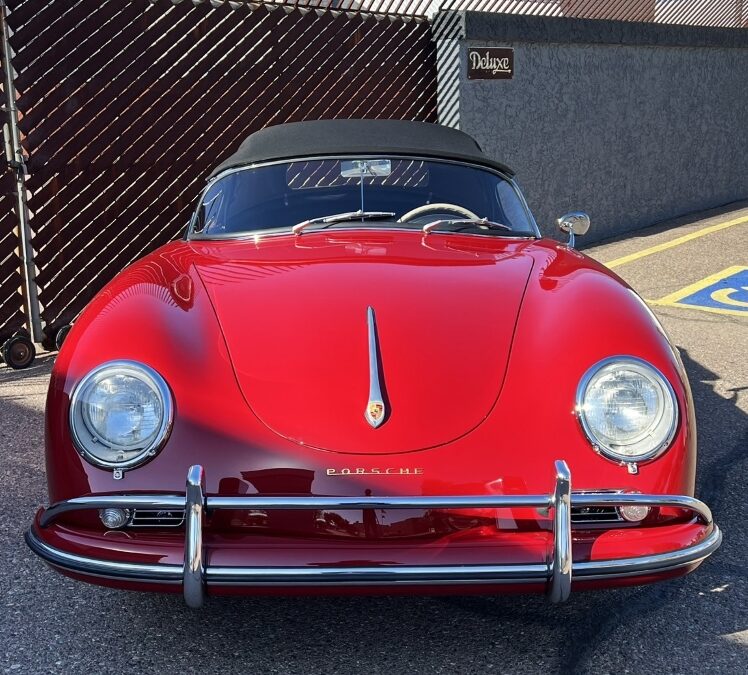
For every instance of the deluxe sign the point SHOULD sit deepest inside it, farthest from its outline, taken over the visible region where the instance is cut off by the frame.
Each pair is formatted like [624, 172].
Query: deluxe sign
[490, 63]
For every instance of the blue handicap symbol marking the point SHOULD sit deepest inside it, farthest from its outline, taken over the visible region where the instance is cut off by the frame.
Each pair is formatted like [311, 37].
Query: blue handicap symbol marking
[728, 293]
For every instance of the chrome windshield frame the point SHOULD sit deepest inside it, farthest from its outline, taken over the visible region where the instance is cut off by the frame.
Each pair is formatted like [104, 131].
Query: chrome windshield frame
[191, 235]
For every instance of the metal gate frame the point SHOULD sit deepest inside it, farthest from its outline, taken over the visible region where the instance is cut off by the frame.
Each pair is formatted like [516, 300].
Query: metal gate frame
[16, 166]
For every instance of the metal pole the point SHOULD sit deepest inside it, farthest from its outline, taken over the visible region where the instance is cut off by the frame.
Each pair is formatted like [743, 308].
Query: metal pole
[26, 254]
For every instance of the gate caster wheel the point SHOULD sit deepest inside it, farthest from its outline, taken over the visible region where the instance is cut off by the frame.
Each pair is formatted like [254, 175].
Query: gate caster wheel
[18, 352]
[60, 335]
[48, 342]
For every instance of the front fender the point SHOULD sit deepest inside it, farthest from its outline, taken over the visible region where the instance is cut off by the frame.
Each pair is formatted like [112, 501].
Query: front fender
[155, 312]
[575, 314]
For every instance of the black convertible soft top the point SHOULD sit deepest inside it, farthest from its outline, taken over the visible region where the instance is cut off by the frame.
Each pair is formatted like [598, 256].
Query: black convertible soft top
[321, 138]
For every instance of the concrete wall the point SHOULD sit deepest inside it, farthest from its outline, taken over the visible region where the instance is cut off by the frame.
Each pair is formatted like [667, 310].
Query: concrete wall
[633, 123]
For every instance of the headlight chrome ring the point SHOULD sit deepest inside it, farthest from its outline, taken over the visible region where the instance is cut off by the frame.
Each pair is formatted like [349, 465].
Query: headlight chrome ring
[121, 414]
[627, 409]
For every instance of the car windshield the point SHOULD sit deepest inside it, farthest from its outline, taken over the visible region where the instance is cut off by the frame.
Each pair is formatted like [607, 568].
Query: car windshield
[375, 191]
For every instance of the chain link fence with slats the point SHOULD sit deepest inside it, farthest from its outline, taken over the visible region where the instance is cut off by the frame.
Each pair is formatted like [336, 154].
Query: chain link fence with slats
[126, 105]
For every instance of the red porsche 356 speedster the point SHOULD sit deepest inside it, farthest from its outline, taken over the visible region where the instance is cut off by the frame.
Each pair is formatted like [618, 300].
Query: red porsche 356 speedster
[374, 375]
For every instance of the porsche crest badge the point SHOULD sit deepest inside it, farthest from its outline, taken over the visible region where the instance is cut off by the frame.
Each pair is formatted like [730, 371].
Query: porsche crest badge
[375, 413]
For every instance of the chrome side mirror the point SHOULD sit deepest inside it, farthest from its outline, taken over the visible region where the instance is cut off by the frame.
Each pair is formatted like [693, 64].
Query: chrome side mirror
[575, 224]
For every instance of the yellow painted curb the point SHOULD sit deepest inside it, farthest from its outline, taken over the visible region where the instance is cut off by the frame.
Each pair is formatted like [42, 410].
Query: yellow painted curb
[617, 262]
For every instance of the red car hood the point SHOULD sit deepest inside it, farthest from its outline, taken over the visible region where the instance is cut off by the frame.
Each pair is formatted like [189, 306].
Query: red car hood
[293, 312]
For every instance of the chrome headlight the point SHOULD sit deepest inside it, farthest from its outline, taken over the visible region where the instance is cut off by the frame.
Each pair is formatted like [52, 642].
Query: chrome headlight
[120, 414]
[627, 409]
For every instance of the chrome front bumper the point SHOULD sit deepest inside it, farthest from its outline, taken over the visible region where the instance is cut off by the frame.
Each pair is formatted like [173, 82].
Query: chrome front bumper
[557, 572]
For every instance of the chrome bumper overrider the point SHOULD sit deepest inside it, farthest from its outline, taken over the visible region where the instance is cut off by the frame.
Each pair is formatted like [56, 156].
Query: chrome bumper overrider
[194, 575]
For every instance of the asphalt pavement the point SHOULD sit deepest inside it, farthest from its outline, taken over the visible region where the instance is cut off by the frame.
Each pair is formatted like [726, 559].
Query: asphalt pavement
[49, 624]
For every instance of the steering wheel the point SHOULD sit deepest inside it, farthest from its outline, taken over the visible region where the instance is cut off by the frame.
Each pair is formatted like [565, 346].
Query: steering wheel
[430, 209]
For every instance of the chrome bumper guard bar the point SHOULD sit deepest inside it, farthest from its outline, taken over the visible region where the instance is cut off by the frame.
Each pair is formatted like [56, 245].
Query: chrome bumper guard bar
[557, 571]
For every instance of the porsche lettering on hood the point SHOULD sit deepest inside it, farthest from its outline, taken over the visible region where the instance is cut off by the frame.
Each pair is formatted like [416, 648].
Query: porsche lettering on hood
[376, 471]
[306, 370]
